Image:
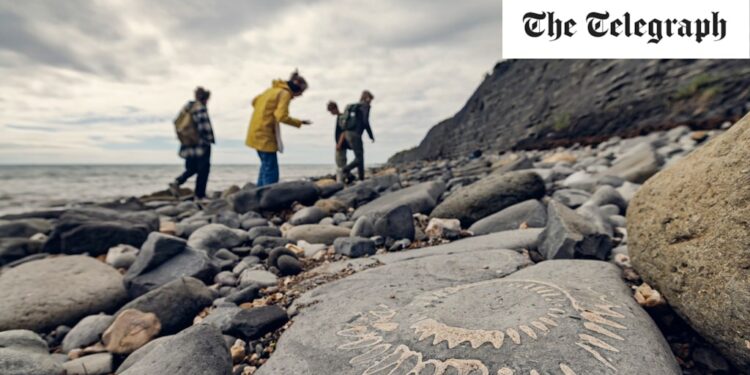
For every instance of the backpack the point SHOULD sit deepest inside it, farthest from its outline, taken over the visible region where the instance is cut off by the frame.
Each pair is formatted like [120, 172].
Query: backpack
[184, 126]
[353, 118]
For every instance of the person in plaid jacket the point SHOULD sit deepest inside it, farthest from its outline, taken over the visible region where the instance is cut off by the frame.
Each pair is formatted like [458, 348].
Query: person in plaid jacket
[197, 157]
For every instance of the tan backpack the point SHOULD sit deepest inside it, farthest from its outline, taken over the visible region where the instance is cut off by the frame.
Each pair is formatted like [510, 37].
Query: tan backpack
[187, 131]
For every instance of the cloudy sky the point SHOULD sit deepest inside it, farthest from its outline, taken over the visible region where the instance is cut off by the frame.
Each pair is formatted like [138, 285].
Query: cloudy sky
[100, 81]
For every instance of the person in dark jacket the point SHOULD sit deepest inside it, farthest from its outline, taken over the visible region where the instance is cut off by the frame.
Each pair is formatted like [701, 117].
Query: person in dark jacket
[197, 157]
[340, 141]
[353, 137]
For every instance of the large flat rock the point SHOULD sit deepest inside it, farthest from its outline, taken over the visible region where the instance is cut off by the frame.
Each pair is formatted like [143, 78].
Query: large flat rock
[43, 294]
[459, 314]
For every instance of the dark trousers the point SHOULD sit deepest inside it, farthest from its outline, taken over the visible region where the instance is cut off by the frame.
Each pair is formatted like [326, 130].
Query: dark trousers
[269, 168]
[354, 140]
[200, 165]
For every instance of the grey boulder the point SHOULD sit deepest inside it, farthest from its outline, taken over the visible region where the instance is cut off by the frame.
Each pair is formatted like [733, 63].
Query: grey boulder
[43, 294]
[213, 237]
[307, 215]
[175, 304]
[569, 235]
[87, 332]
[396, 224]
[198, 350]
[315, 233]
[354, 247]
[490, 195]
[420, 198]
[532, 213]
[23, 352]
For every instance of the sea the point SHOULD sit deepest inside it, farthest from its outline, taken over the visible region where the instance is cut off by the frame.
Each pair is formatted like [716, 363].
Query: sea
[32, 187]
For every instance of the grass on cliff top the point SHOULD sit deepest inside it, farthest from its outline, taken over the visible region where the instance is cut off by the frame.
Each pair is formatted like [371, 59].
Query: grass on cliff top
[705, 84]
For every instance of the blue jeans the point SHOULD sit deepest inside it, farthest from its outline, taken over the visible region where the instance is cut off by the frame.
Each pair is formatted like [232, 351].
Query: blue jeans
[269, 168]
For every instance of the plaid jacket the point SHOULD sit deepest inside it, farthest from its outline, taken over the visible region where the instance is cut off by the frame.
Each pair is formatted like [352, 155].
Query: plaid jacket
[201, 120]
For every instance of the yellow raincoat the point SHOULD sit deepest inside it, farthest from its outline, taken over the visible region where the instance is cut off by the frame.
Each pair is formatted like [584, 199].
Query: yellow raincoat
[269, 110]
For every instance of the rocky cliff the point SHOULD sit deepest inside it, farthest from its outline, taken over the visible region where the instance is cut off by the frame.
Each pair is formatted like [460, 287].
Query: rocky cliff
[535, 104]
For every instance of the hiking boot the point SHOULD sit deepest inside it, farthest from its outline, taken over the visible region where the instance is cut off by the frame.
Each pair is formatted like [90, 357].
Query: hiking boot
[174, 189]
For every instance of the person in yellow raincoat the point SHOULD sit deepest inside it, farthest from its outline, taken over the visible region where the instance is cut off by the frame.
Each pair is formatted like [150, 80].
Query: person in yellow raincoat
[270, 109]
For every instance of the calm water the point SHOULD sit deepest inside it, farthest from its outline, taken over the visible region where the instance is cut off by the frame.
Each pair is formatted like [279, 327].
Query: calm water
[24, 188]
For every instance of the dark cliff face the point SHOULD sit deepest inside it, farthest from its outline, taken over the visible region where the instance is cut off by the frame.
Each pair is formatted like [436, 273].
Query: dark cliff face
[536, 104]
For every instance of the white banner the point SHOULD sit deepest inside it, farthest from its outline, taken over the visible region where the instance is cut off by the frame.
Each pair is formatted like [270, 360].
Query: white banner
[625, 29]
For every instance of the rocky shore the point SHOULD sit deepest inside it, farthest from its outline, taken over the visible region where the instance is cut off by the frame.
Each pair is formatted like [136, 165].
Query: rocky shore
[513, 263]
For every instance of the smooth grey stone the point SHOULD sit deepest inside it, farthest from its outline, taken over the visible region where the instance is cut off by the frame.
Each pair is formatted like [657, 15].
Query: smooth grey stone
[289, 265]
[226, 278]
[609, 210]
[357, 195]
[354, 247]
[517, 240]
[94, 364]
[224, 254]
[15, 248]
[24, 227]
[198, 350]
[581, 180]
[347, 224]
[274, 197]
[339, 218]
[42, 294]
[141, 352]
[618, 221]
[87, 332]
[569, 235]
[23, 352]
[270, 242]
[315, 233]
[330, 189]
[157, 249]
[307, 215]
[396, 224]
[596, 217]
[400, 245]
[228, 218]
[16, 362]
[490, 195]
[628, 190]
[474, 315]
[531, 212]
[363, 227]
[257, 277]
[572, 198]
[188, 263]
[605, 195]
[253, 222]
[175, 304]
[420, 198]
[121, 256]
[263, 231]
[23, 340]
[612, 181]
[186, 229]
[327, 221]
[637, 164]
[213, 237]
[246, 294]
[247, 324]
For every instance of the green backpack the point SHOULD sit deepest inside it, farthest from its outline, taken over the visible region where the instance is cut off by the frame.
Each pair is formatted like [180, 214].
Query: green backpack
[185, 128]
[353, 118]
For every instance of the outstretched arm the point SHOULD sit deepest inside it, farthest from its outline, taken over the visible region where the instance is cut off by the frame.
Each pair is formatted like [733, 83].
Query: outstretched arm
[282, 110]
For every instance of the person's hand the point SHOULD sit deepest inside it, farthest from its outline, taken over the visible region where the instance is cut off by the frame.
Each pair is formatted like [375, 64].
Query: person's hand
[306, 122]
[372, 139]
[338, 147]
